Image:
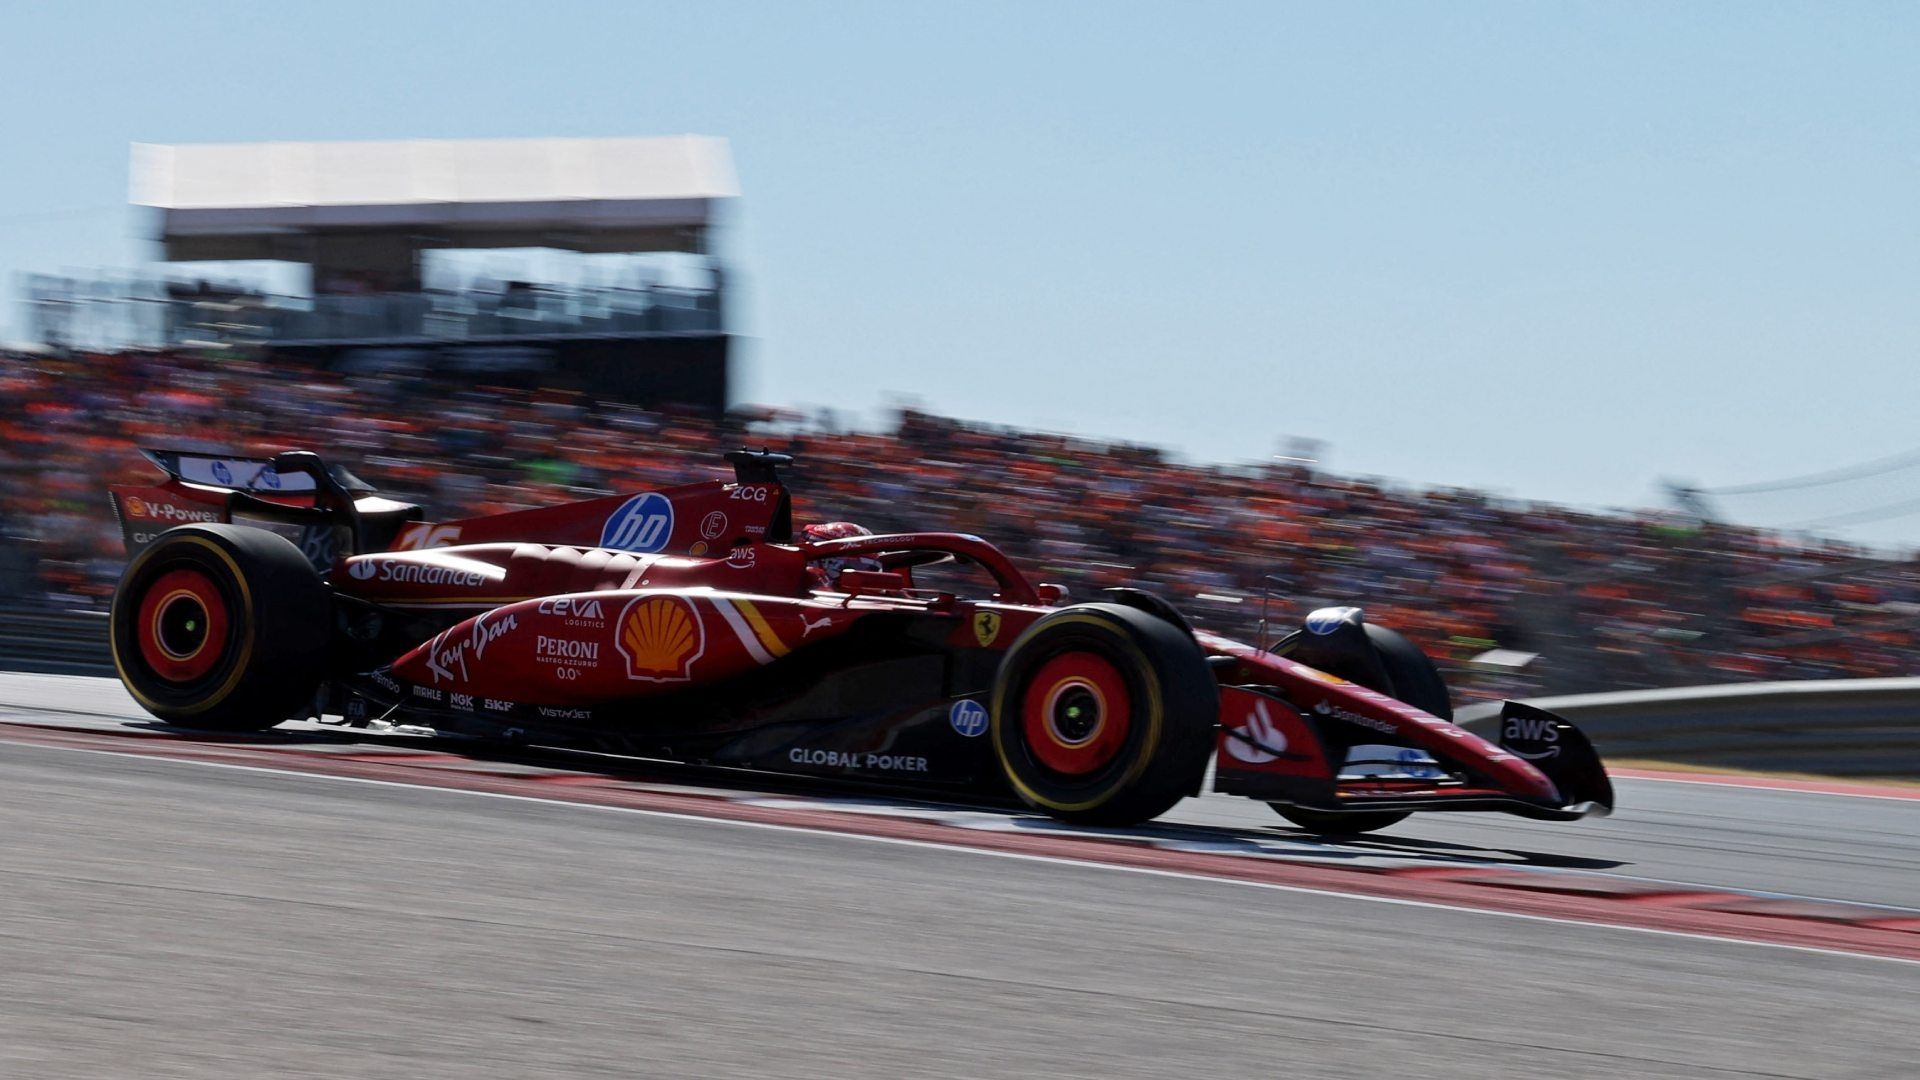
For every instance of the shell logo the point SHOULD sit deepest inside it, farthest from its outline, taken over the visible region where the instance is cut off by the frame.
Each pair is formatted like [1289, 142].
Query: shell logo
[661, 637]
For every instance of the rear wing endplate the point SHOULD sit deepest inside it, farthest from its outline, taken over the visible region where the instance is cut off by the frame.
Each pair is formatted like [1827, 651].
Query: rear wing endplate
[243, 473]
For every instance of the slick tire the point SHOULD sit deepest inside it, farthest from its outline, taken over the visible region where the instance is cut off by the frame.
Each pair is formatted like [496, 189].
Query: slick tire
[1104, 714]
[1411, 678]
[221, 627]
[1415, 680]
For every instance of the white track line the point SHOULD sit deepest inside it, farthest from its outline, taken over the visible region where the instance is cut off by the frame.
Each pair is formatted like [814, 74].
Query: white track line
[1760, 783]
[1059, 860]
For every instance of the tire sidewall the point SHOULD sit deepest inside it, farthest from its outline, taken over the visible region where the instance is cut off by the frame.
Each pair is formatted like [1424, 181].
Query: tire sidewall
[1174, 715]
[1413, 679]
[177, 549]
[1416, 679]
[1067, 632]
[279, 628]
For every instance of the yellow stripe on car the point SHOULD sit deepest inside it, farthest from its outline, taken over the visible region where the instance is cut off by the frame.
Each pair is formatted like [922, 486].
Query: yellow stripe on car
[768, 639]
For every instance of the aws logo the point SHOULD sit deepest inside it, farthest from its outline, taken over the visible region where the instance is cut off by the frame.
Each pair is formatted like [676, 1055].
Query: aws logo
[1533, 738]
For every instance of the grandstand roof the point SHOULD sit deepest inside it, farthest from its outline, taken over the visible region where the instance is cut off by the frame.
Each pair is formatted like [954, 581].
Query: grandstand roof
[623, 194]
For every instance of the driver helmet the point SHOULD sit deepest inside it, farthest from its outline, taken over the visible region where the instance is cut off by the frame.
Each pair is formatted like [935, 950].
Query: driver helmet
[826, 572]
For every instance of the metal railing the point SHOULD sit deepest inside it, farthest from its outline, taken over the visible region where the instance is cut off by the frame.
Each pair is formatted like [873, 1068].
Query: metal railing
[150, 313]
[54, 641]
[475, 316]
[1838, 727]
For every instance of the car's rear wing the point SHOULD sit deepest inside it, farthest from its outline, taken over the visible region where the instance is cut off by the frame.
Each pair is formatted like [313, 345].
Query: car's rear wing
[250, 474]
[331, 509]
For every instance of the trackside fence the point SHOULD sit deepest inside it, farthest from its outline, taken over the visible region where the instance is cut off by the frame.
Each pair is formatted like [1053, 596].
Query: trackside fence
[54, 641]
[1841, 727]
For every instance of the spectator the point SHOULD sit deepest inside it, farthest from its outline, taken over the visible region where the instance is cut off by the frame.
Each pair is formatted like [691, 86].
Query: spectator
[1609, 601]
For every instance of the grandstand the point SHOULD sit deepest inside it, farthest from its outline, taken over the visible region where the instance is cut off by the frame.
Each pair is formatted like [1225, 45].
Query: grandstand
[1601, 601]
[545, 391]
[360, 222]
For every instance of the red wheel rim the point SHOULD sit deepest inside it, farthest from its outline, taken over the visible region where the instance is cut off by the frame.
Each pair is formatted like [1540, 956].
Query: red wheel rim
[182, 626]
[1076, 713]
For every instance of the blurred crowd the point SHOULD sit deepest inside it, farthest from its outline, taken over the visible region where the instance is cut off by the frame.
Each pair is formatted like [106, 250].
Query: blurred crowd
[1510, 598]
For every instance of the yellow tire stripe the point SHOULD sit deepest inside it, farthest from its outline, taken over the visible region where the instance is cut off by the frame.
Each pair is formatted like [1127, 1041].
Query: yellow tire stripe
[154, 627]
[1151, 713]
[244, 615]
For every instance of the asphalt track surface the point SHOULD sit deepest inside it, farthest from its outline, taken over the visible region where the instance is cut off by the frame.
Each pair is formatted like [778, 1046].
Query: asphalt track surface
[172, 918]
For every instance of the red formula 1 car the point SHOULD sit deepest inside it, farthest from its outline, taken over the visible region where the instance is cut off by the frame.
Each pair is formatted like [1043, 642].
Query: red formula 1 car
[693, 624]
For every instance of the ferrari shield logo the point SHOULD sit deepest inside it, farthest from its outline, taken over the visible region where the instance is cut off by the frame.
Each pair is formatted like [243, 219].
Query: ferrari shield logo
[986, 626]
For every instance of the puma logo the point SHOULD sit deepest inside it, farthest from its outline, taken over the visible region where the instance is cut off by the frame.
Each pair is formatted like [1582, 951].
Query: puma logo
[808, 627]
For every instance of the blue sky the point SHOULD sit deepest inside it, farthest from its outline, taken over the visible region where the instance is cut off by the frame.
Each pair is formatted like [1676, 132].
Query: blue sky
[1560, 251]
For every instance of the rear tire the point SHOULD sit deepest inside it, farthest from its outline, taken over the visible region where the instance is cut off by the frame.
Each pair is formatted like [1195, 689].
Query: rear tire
[221, 627]
[1104, 714]
[1412, 678]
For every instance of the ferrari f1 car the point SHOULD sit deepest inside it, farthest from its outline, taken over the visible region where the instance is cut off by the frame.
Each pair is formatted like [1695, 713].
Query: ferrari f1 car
[693, 624]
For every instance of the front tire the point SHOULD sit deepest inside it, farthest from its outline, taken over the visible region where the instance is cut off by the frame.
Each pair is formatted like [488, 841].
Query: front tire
[1412, 678]
[1104, 714]
[221, 627]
